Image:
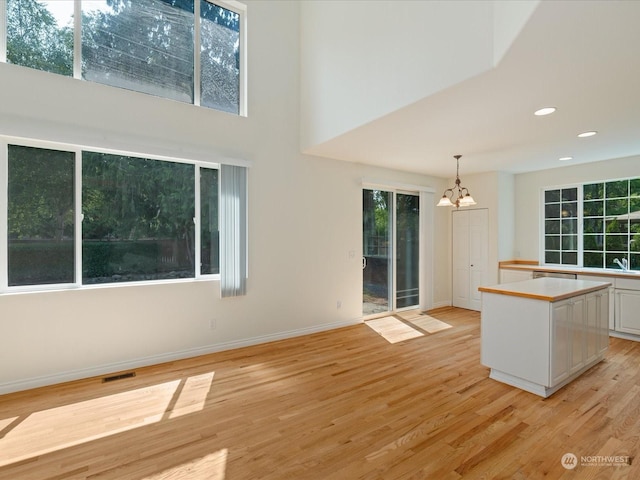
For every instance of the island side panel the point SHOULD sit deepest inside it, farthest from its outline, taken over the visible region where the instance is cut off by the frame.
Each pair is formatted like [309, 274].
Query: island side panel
[515, 336]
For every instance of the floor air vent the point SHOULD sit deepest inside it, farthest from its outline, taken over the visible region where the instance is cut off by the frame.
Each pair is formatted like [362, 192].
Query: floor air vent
[120, 376]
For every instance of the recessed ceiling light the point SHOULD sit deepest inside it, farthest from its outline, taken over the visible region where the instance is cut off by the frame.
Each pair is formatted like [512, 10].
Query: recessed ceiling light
[544, 111]
[587, 134]
[564, 159]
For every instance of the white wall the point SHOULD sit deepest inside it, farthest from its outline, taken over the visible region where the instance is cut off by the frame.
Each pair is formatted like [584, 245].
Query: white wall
[362, 60]
[529, 185]
[508, 20]
[304, 219]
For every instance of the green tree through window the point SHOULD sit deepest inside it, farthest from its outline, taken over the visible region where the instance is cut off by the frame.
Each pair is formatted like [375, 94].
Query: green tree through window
[35, 40]
[146, 46]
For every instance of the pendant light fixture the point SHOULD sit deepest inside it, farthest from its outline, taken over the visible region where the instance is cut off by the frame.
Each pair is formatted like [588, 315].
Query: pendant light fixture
[458, 196]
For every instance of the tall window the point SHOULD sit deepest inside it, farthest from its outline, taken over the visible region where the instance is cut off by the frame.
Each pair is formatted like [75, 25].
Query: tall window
[593, 224]
[185, 50]
[219, 57]
[40, 217]
[561, 226]
[612, 223]
[209, 225]
[136, 220]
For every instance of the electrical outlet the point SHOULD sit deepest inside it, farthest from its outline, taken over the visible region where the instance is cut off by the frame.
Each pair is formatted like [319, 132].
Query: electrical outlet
[212, 324]
[339, 304]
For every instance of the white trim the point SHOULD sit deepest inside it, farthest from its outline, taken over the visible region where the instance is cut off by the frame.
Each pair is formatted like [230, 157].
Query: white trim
[197, 224]
[70, 375]
[442, 304]
[71, 147]
[373, 183]
[3, 31]
[79, 217]
[77, 40]
[197, 48]
[4, 214]
[427, 255]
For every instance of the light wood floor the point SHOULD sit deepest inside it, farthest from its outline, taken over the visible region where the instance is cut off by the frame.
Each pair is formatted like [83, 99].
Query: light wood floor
[344, 404]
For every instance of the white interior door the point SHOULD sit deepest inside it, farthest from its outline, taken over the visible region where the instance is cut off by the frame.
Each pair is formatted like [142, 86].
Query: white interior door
[478, 255]
[461, 270]
[470, 256]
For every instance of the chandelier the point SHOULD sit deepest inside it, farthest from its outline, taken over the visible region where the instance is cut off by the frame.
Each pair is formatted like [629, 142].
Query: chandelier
[458, 196]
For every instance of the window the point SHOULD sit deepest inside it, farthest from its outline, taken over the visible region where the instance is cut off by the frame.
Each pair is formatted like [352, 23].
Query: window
[593, 224]
[40, 35]
[209, 230]
[138, 219]
[561, 226]
[40, 216]
[141, 45]
[83, 218]
[148, 46]
[612, 223]
[219, 57]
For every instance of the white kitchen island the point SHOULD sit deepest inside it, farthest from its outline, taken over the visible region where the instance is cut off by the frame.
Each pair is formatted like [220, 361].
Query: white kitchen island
[540, 334]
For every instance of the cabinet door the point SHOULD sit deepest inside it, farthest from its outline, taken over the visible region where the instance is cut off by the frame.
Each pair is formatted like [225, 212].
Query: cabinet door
[592, 306]
[627, 308]
[606, 302]
[577, 333]
[560, 341]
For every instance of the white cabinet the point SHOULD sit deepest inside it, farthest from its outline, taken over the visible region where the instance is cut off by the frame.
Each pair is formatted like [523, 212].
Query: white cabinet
[627, 307]
[470, 256]
[561, 314]
[610, 303]
[580, 333]
[541, 345]
[508, 276]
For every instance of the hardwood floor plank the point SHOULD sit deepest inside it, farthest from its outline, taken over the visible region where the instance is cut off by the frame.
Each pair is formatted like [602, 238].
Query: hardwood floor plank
[342, 404]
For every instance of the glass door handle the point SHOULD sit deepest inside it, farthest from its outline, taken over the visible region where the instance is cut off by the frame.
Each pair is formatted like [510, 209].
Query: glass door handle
[364, 262]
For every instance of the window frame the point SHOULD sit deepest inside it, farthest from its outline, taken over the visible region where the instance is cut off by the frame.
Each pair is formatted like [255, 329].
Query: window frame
[231, 5]
[580, 222]
[5, 141]
[543, 233]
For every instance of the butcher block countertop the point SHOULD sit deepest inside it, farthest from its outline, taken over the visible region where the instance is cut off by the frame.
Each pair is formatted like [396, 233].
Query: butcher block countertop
[546, 288]
[532, 266]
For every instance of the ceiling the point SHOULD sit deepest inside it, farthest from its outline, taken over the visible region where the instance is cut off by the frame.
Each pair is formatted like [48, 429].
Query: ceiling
[581, 57]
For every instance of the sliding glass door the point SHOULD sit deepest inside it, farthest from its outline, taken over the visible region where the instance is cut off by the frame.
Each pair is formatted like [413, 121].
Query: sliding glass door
[376, 251]
[407, 250]
[391, 246]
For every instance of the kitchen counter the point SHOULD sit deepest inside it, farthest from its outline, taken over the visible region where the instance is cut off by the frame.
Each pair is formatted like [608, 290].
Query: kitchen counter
[538, 335]
[546, 288]
[532, 266]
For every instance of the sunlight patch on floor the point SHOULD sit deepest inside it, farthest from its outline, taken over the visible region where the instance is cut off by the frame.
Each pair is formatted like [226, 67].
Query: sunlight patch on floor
[209, 467]
[62, 427]
[429, 324]
[393, 330]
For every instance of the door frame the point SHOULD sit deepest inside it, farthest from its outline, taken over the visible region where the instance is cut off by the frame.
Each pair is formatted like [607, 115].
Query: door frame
[427, 238]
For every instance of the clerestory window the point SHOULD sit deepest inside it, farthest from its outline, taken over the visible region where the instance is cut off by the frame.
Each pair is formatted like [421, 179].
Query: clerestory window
[184, 50]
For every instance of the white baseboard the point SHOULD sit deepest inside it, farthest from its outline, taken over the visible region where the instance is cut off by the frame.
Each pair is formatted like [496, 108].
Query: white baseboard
[441, 304]
[41, 381]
